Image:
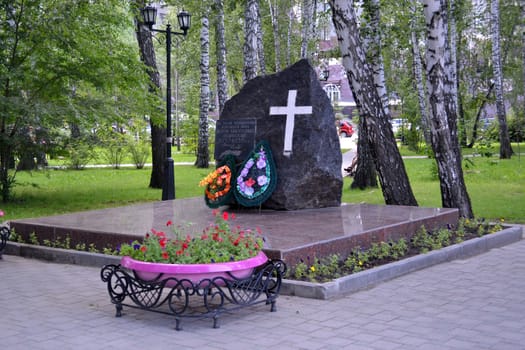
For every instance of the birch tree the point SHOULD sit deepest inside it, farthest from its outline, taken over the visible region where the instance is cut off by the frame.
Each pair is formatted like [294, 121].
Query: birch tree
[274, 16]
[372, 46]
[418, 72]
[250, 40]
[442, 107]
[202, 147]
[307, 22]
[365, 175]
[505, 150]
[452, 42]
[389, 164]
[289, 36]
[222, 80]
[259, 34]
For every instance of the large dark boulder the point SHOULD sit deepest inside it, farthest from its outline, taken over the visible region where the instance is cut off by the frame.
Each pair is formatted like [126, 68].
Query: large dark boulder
[309, 177]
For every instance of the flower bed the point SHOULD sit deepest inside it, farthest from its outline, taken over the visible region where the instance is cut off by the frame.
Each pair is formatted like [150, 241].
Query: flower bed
[221, 270]
[219, 242]
[382, 253]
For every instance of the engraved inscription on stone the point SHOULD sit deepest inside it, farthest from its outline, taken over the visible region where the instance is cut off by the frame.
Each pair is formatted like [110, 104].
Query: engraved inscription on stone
[235, 136]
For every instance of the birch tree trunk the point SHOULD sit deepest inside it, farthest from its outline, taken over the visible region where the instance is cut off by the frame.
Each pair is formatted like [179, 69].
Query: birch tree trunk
[289, 37]
[260, 45]
[372, 45]
[274, 16]
[389, 164]
[365, 170]
[418, 75]
[365, 173]
[202, 147]
[158, 131]
[222, 80]
[505, 150]
[478, 115]
[453, 54]
[306, 19]
[443, 136]
[250, 40]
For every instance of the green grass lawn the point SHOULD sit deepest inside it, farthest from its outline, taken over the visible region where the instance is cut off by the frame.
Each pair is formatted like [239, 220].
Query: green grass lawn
[98, 159]
[496, 188]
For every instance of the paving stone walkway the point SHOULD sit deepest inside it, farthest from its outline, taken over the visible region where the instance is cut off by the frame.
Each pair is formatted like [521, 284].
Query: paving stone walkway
[477, 303]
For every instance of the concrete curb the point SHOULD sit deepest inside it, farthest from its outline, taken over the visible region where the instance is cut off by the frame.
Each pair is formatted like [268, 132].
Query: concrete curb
[369, 278]
[341, 286]
[61, 256]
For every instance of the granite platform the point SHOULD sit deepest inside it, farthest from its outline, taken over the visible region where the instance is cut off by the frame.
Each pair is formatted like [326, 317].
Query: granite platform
[289, 235]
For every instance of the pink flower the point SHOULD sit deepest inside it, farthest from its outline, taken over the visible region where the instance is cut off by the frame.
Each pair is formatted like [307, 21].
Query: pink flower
[1, 212]
[169, 223]
[225, 216]
[261, 163]
[262, 180]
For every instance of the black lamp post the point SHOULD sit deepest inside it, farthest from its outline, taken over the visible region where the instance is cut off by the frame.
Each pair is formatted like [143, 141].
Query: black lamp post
[149, 14]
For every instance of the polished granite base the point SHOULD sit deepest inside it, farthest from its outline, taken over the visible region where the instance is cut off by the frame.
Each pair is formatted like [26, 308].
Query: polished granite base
[289, 235]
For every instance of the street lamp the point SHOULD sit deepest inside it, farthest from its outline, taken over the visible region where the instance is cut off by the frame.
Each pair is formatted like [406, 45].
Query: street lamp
[149, 14]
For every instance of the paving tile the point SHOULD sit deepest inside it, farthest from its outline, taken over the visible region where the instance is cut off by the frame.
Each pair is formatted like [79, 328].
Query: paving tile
[475, 303]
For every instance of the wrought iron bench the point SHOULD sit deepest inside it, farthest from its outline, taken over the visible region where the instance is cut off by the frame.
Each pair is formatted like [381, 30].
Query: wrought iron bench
[183, 298]
[4, 236]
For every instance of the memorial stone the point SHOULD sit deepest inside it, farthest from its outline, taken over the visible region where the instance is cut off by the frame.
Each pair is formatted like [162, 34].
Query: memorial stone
[294, 115]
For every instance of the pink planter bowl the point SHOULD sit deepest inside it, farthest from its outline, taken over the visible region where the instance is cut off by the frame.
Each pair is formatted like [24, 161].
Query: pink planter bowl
[149, 271]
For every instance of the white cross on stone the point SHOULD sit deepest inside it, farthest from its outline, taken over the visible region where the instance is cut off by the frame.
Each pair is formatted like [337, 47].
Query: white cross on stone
[290, 110]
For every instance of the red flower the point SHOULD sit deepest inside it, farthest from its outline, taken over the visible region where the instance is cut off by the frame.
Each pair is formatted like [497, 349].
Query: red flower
[162, 243]
[160, 234]
[225, 216]
[165, 255]
[169, 223]
[250, 182]
[143, 249]
[184, 245]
